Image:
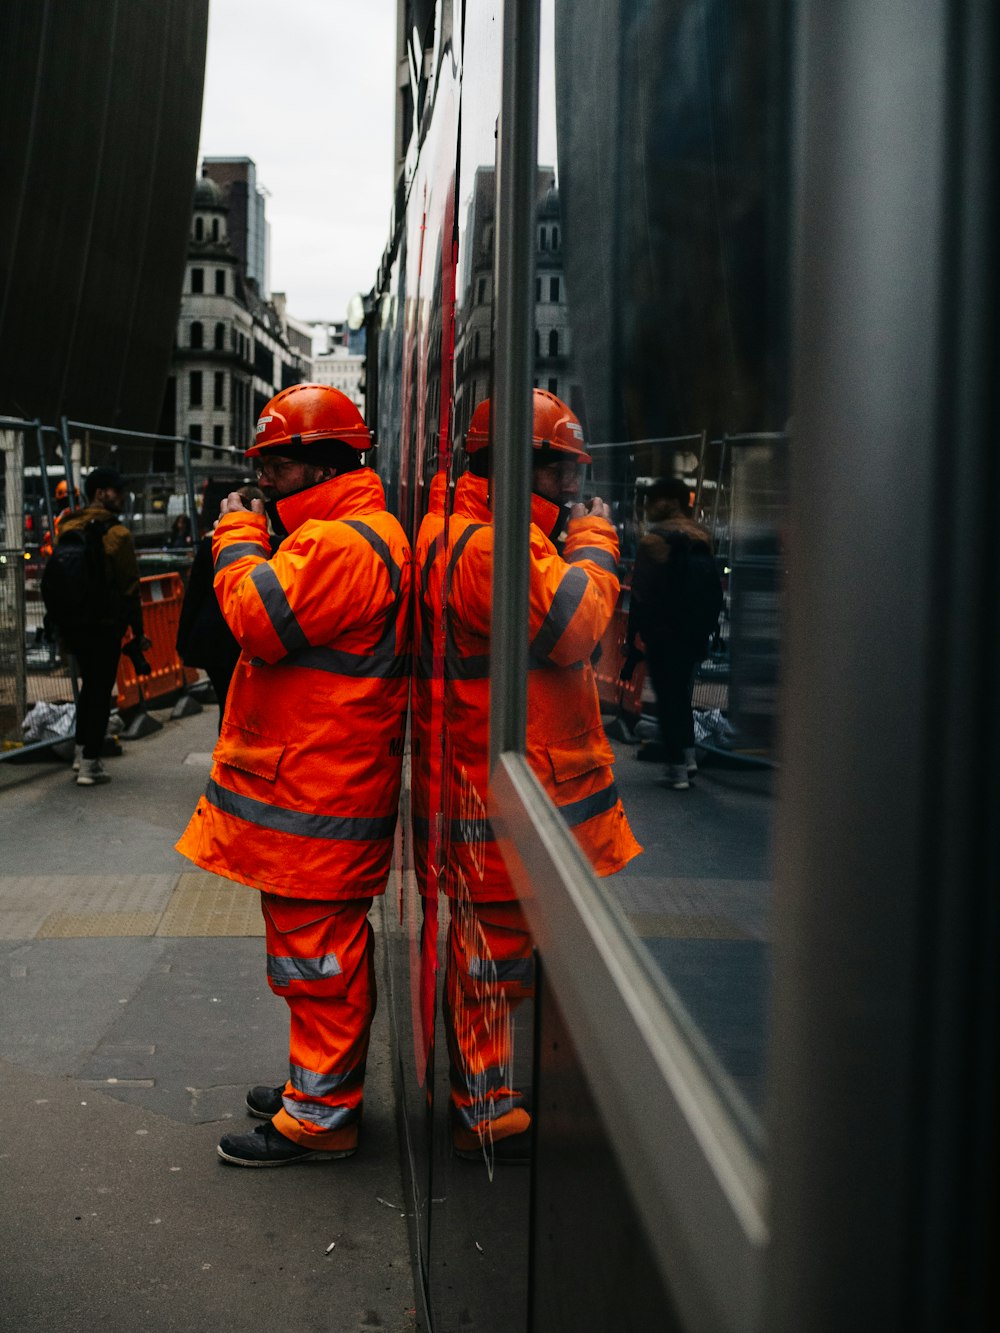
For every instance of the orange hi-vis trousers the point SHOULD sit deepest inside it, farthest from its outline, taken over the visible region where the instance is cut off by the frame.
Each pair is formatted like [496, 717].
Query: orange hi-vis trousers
[320, 960]
[489, 971]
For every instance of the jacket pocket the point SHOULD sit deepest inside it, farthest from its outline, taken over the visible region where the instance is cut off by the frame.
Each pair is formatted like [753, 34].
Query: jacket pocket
[249, 751]
[574, 756]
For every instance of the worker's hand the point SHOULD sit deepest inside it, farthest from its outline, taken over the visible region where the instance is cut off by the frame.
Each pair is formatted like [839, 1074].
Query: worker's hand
[233, 504]
[596, 509]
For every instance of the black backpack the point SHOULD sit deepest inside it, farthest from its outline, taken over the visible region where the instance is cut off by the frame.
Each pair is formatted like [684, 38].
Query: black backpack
[702, 590]
[74, 585]
[681, 595]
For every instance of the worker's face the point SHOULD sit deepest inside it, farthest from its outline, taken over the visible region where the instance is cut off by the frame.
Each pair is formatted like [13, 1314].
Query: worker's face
[558, 482]
[279, 477]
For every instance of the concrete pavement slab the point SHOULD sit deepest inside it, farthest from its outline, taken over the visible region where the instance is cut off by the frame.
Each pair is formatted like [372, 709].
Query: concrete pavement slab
[135, 1013]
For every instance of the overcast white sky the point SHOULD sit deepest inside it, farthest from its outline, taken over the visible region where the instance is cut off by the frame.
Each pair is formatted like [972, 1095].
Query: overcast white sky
[306, 89]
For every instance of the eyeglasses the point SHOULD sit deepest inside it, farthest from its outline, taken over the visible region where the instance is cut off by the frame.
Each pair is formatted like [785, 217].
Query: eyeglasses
[273, 467]
[566, 471]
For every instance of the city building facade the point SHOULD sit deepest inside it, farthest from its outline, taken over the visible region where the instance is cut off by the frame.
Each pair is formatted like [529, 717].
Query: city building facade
[234, 349]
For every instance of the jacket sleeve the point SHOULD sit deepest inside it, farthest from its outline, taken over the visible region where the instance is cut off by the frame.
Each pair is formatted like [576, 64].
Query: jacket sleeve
[327, 578]
[123, 567]
[572, 598]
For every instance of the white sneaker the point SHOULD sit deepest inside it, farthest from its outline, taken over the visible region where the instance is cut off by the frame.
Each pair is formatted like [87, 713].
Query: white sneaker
[691, 760]
[677, 777]
[92, 772]
[77, 757]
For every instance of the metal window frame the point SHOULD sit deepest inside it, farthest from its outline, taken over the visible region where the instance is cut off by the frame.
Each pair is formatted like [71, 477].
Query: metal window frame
[697, 1186]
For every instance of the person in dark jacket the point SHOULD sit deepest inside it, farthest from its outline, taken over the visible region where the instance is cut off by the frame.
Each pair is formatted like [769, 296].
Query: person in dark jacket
[676, 600]
[97, 645]
[203, 637]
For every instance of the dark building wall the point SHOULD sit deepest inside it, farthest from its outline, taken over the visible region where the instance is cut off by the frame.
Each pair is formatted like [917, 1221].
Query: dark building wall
[100, 111]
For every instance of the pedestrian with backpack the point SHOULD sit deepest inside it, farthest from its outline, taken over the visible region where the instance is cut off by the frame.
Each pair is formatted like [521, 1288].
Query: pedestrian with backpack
[676, 601]
[91, 592]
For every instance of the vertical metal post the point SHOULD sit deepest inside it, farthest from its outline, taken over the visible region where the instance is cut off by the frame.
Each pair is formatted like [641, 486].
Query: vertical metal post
[189, 485]
[67, 450]
[43, 464]
[514, 256]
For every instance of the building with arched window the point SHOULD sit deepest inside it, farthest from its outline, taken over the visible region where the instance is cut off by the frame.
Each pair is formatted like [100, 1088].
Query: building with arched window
[232, 351]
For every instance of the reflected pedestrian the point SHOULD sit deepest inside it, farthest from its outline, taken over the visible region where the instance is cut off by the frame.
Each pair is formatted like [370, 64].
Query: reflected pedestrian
[676, 600]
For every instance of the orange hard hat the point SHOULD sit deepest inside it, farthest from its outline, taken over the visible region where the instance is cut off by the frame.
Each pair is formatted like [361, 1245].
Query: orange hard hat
[306, 414]
[478, 435]
[554, 427]
[62, 490]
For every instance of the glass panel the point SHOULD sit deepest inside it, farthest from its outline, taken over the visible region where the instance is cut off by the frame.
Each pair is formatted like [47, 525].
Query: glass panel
[467, 941]
[660, 447]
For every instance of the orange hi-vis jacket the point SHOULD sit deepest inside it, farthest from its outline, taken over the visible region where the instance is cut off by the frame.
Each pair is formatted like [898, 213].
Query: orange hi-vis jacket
[572, 597]
[303, 795]
[427, 699]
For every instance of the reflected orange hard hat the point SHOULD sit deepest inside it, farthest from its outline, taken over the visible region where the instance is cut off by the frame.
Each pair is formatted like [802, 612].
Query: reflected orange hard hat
[307, 413]
[478, 435]
[554, 426]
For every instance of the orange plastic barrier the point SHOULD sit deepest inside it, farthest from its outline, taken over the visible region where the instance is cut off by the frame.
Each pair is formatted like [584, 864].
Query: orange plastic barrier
[614, 692]
[162, 595]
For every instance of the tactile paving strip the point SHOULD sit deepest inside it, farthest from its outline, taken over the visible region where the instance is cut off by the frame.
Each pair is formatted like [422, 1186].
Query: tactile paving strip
[81, 906]
[205, 905]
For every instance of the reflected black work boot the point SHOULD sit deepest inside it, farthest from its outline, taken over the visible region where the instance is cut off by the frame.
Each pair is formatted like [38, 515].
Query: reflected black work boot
[265, 1102]
[266, 1146]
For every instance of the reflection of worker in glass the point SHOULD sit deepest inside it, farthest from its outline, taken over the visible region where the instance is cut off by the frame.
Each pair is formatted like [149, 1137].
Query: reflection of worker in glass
[572, 596]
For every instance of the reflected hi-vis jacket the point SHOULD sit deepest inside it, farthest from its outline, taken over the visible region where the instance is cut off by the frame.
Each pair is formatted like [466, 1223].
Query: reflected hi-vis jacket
[427, 697]
[571, 600]
[303, 795]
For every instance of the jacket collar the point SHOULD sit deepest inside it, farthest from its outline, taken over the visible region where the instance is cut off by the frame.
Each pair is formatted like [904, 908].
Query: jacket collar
[347, 496]
[472, 498]
[546, 515]
[79, 518]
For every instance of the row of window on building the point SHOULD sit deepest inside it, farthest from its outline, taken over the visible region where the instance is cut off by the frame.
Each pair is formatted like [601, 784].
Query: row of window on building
[198, 282]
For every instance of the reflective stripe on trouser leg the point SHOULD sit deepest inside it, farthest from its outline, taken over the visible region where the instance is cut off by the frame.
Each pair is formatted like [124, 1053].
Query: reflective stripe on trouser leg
[320, 959]
[490, 970]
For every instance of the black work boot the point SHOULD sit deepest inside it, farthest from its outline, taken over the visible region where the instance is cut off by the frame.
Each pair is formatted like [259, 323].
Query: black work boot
[267, 1146]
[264, 1102]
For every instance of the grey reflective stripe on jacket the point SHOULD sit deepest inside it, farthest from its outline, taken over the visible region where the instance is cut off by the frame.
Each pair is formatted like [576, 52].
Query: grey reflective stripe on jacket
[278, 609]
[237, 551]
[597, 555]
[571, 591]
[347, 828]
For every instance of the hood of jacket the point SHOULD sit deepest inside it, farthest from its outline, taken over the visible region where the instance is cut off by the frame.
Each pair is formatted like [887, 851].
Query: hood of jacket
[687, 527]
[76, 519]
[472, 498]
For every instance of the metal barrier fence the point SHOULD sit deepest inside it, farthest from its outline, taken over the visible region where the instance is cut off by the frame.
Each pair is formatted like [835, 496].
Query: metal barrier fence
[174, 486]
[740, 492]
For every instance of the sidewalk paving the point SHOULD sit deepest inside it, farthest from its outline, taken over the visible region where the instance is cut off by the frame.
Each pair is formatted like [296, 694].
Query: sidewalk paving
[135, 1013]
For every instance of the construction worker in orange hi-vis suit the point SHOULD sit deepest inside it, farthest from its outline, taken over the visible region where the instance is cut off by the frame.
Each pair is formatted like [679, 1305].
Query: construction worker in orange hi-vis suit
[302, 799]
[47, 544]
[573, 590]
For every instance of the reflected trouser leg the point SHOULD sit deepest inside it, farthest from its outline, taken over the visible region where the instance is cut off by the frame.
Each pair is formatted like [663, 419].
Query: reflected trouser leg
[490, 970]
[96, 655]
[320, 958]
[673, 678]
